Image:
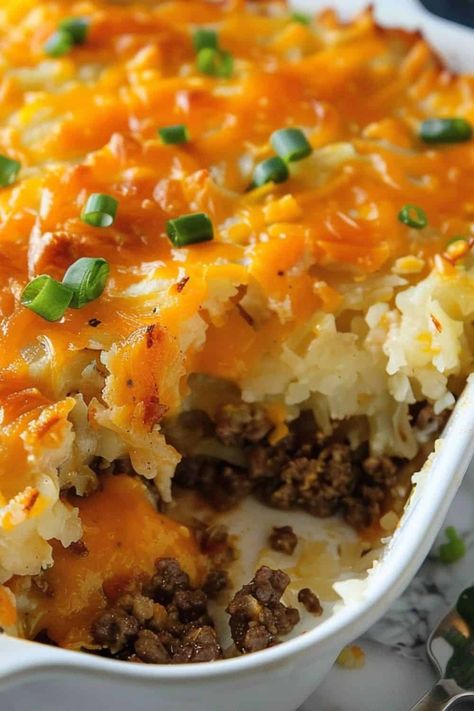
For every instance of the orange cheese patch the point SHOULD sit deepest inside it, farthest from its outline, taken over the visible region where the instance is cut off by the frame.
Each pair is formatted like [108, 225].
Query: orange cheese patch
[38, 428]
[8, 614]
[123, 536]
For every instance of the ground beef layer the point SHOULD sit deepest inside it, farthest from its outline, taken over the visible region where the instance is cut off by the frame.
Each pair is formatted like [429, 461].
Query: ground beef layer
[165, 620]
[320, 474]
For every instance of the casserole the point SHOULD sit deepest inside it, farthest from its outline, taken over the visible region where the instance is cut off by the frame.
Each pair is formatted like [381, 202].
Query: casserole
[289, 696]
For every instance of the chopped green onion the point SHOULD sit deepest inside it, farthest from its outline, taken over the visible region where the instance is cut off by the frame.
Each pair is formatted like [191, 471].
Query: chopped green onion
[9, 170]
[445, 130]
[455, 549]
[189, 229]
[100, 210]
[215, 62]
[47, 297]
[291, 144]
[77, 27]
[300, 17]
[205, 39]
[273, 169]
[413, 216]
[171, 135]
[71, 31]
[86, 278]
[59, 44]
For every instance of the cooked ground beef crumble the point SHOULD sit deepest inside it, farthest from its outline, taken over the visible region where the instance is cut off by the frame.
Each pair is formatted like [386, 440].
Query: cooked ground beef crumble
[306, 470]
[257, 616]
[165, 620]
[311, 601]
[237, 424]
[283, 539]
[216, 581]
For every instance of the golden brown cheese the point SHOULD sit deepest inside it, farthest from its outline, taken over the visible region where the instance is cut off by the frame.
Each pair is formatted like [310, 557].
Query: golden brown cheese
[115, 551]
[341, 91]
[370, 88]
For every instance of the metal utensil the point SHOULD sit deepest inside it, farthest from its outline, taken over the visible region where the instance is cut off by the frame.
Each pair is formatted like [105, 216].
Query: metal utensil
[450, 649]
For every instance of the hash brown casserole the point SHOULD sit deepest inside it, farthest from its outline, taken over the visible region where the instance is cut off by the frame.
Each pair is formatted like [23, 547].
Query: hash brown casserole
[236, 261]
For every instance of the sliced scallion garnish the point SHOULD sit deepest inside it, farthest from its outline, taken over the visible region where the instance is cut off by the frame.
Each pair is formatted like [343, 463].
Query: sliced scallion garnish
[100, 210]
[300, 17]
[454, 549]
[59, 44]
[77, 27]
[291, 144]
[413, 216]
[86, 278]
[270, 170]
[189, 229]
[205, 39]
[47, 297]
[9, 170]
[445, 130]
[215, 62]
[171, 135]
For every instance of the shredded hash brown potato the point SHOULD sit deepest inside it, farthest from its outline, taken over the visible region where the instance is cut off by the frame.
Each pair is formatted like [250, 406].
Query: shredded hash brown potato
[313, 296]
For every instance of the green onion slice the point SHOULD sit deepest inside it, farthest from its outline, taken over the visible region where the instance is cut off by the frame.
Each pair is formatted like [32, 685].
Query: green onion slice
[454, 549]
[9, 170]
[78, 27]
[86, 278]
[59, 44]
[171, 135]
[413, 216]
[300, 17]
[291, 144]
[205, 39]
[189, 229]
[100, 210]
[271, 170]
[215, 62]
[47, 297]
[445, 130]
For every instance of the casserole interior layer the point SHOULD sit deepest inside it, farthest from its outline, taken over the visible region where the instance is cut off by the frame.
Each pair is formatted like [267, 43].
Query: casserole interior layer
[313, 309]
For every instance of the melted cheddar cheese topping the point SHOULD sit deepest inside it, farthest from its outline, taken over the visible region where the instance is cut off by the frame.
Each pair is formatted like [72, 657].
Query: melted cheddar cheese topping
[87, 123]
[115, 552]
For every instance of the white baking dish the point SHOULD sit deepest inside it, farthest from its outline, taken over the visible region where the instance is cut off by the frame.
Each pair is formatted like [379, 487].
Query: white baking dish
[280, 678]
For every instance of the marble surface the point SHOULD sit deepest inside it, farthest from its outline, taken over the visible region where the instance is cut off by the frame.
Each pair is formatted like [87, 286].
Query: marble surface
[387, 682]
